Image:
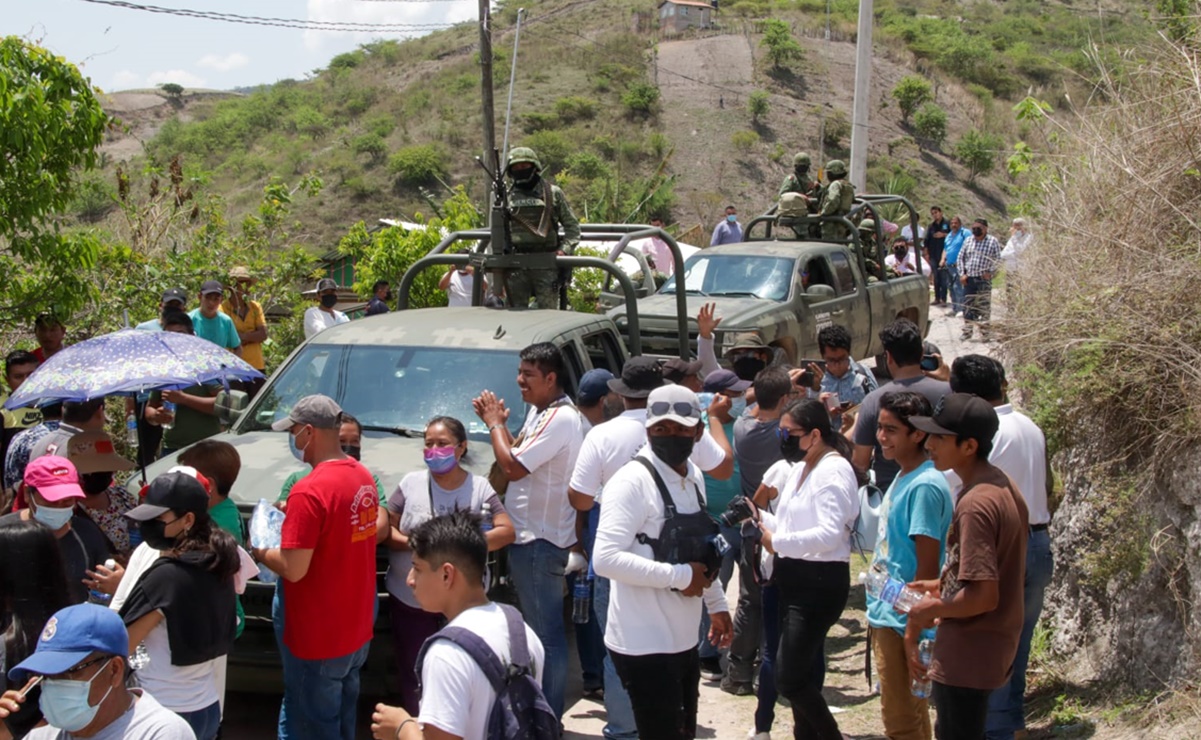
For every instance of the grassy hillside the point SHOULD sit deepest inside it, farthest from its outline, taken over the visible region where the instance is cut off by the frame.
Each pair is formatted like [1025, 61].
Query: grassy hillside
[632, 123]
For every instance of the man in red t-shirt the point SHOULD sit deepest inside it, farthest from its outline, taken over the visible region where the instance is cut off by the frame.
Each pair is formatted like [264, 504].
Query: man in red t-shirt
[327, 560]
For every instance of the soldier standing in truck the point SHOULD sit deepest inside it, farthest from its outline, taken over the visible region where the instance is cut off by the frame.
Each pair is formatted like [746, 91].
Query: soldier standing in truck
[537, 209]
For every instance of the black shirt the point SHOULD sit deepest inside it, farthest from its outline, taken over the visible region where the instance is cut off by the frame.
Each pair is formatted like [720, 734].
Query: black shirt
[934, 244]
[83, 548]
[197, 605]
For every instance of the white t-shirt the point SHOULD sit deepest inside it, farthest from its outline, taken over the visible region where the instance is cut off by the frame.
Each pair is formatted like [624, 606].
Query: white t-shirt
[1020, 450]
[140, 560]
[458, 293]
[455, 694]
[813, 520]
[908, 266]
[411, 501]
[538, 503]
[180, 688]
[614, 443]
[147, 719]
[645, 615]
[317, 321]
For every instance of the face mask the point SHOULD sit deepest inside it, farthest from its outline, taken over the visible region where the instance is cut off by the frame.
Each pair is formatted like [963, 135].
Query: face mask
[65, 703]
[977, 231]
[790, 449]
[56, 519]
[802, 172]
[737, 406]
[731, 218]
[297, 452]
[354, 451]
[154, 534]
[528, 177]
[672, 450]
[747, 367]
[329, 301]
[705, 399]
[388, 296]
[94, 483]
[440, 460]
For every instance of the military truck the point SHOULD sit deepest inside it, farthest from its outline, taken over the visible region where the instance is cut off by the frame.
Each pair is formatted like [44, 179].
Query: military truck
[786, 286]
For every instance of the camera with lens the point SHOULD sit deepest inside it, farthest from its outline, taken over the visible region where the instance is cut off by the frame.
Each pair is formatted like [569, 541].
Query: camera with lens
[739, 510]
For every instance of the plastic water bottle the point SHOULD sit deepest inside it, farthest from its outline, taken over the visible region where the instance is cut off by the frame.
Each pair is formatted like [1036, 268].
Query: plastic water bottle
[131, 431]
[486, 519]
[925, 653]
[581, 601]
[97, 596]
[890, 590]
[169, 407]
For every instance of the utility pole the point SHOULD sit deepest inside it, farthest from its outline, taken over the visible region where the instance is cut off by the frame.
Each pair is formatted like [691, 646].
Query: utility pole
[862, 108]
[486, 89]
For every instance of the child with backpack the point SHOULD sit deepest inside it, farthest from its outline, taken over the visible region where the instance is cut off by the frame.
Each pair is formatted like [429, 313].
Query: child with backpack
[481, 675]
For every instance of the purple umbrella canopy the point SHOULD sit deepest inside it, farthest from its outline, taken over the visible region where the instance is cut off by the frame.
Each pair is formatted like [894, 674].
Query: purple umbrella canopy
[129, 362]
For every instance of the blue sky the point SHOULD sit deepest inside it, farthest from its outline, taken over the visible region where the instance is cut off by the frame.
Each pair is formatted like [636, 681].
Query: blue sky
[122, 49]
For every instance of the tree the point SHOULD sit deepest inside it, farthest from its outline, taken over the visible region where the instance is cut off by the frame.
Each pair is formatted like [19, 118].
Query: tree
[978, 151]
[640, 98]
[758, 104]
[51, 122]
[910, 93]
[930, 122]
[782, 48]
[172, 90]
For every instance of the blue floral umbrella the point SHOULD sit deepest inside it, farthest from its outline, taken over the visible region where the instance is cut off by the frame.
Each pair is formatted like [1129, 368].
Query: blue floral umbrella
[126, 363]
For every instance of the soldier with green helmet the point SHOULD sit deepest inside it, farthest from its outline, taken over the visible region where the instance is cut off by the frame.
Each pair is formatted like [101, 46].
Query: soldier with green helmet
[800, 182]
[537, 210]
[837, 199]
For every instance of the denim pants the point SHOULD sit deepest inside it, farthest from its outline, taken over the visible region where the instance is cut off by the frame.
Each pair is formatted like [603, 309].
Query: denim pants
[618, 710]
[589, 642]
[956, 287]
[1006, 709]
[733, 537]
[977, 302]
[204, 722]
[537, 569]
[410, 629]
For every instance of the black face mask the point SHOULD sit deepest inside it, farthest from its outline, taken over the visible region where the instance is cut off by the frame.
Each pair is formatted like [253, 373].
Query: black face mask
[94, 483]
[329, 301]
[801, 172]
[748, 366]
[388, 296]
[353, 450]
[977, 231]
[153, 534]
[790, 449]
[672, 450]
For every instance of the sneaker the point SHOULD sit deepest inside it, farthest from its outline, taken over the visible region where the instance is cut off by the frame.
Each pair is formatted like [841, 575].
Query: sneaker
[752, 735]
[737, 688]
[711, 669]
[966, 334]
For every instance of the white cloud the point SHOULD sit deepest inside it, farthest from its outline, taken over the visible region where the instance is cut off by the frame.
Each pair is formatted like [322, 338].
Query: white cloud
[178, 76]
[126, 79]
[233, 60]
[382, 12]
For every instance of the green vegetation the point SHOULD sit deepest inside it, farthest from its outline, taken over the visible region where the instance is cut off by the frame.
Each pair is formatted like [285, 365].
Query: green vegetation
[930, 122]
[420, 164]
[758, 104]
[641, 98]
[911, 92]
[782, 48]
[978, 152]
[172, 90]
[744, 141]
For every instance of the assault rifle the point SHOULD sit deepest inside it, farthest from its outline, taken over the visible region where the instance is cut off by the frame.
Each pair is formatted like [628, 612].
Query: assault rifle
[500, 215]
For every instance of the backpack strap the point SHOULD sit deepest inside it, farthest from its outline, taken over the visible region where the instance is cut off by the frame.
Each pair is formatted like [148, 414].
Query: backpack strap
[669, 506]
[519, 649]
[476, 647]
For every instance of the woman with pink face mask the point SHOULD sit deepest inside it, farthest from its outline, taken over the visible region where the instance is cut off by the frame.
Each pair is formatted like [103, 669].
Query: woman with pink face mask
[445, 486]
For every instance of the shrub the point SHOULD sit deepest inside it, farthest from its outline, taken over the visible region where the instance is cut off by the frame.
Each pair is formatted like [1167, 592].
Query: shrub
[758, 104]
[978, 151]
[911, 92]
[418, 165]
[371, 145]
[574, 108]
[381, 126]
[349, 60]
[641, 98]
[552, 149]
[837, 128]
[586, 165]
[744, 141]
[782, 48]
[535, 121]
[659, 144]
[931, 123]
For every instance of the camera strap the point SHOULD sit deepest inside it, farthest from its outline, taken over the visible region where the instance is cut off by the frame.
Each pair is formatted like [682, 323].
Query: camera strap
[669, 506]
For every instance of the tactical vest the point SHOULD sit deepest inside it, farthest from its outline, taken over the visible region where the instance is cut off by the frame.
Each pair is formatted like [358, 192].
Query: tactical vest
[842, 192]
[533, 228]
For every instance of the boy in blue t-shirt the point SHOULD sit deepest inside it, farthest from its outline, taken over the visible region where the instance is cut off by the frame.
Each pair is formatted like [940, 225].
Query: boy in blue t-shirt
[914, 521]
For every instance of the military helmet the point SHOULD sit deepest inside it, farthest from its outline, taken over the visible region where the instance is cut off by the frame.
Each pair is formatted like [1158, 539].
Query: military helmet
[800, 159]
[836, 167]
[867, 224]
[523, 154]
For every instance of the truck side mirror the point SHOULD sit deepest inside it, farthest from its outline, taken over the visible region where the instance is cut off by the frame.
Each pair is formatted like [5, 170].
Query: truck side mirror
[230, 405]
[818, 292]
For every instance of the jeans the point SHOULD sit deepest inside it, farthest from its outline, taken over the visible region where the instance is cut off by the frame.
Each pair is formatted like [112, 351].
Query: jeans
[410, 629]
[977, 302]
[733, 537]
[589, 642]
[765, 711]
[618, 710]
[204, 722]
[934, 256]
[812, 597]
[961, 712]
[277, 621]
[664, 689]
[537, 569]
[956, 287]
[1006, 713]
[941, 285]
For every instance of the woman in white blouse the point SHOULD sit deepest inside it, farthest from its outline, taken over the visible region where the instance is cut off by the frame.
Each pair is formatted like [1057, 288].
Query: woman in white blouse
[810, 537]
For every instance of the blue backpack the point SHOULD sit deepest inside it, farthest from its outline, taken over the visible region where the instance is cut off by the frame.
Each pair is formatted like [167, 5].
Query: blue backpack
[520, 711]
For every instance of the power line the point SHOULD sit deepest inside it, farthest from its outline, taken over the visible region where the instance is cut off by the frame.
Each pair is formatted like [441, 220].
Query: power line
[253, 20]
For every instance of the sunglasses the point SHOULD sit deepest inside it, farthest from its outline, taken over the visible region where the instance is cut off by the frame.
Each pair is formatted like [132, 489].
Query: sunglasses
[679, 408]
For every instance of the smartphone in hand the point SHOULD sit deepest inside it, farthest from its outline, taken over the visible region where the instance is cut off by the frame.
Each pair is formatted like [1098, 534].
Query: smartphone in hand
[929, 363]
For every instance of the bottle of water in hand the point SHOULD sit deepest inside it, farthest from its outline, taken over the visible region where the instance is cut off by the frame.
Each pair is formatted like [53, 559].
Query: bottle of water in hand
[890, 590]
[921, 689]
[581, 601]
[169, 407]
[131, 431]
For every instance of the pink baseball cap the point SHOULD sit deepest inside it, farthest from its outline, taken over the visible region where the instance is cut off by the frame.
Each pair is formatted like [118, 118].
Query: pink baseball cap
[54, 478]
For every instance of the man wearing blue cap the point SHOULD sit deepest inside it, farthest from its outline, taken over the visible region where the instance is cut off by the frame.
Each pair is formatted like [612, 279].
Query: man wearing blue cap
[596, 401]
[81, 666]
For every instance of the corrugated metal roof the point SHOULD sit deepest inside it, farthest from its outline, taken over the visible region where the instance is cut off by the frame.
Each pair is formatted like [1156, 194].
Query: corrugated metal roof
[691, 3]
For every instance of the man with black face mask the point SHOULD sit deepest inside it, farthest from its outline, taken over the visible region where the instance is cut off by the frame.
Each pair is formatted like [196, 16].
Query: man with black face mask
[537, 210]
[323, 316]
[978, 262]
[749, 355]
[654, 611]
[801, 182]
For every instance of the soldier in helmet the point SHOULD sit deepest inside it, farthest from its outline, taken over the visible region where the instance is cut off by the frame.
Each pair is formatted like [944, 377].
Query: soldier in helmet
[837, 199]
[538, 209]
[867, 238]
[800, 182]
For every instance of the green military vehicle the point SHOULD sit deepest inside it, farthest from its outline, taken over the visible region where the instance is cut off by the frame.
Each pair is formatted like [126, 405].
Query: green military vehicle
[785, 286]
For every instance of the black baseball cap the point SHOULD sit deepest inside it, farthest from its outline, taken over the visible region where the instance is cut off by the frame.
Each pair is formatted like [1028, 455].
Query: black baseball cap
[676, 369]
[962, 415]
[171, 492]
[175, 294]
[325, 284]
[211, 286]
[639, 377]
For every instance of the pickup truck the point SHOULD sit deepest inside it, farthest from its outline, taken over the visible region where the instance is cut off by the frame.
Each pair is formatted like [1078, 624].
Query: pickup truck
[785, 289]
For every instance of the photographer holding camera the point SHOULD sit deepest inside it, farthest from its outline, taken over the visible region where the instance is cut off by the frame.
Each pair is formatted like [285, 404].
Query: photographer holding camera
[810, 537]
[662, 550]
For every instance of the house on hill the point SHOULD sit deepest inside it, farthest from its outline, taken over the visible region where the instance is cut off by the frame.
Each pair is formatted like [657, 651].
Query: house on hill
[677, 16]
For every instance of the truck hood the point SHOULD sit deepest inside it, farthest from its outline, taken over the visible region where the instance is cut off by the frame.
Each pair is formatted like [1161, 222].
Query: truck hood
[267, 462]
[735, 313]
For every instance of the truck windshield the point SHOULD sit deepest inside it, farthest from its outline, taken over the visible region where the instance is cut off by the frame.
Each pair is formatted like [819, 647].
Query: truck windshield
[769, 278]
[393, 389]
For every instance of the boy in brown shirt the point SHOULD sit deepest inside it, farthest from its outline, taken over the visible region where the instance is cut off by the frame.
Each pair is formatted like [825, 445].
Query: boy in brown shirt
[978, 598]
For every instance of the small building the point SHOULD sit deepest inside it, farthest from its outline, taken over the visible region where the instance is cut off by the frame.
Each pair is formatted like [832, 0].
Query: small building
[677, 16]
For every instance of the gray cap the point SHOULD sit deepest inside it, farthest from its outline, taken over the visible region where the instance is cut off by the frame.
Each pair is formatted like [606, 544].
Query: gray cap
[320, 412]
[326, 284]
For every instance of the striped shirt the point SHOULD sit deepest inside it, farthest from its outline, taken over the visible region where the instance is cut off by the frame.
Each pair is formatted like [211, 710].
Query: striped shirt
[980, 256]
[537, 504]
